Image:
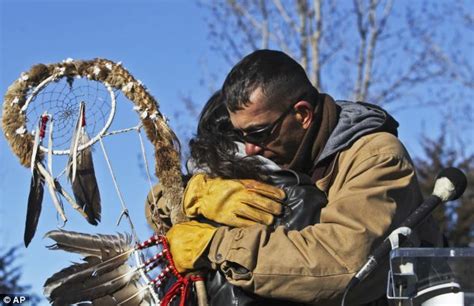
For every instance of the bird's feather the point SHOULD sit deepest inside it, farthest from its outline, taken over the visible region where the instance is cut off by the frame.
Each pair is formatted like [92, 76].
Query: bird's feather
[36, 145]
[84, 186]
[81, 172]
[35, 200]
[132, 294]
[53, 192]
[73, 149]
[39, 176]
[103, 246]
[90, 286]
[104, 278]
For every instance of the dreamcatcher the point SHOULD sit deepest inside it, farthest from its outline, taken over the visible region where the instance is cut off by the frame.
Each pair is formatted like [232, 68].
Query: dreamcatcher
[65, 109]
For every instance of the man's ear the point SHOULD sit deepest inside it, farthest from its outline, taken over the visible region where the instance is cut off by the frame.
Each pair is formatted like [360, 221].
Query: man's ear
[304, 113]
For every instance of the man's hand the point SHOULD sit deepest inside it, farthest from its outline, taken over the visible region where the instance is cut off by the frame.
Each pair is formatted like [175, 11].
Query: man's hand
[188, 241]
[236, 203]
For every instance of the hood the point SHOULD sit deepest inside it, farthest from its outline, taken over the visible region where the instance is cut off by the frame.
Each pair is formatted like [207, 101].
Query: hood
[357, 119]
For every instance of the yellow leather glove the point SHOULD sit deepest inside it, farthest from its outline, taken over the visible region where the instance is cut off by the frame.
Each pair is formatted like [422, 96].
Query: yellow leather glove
[236, 203]
[188, 241]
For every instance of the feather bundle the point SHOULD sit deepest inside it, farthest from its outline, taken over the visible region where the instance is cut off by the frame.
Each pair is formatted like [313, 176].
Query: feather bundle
[81, 172]
[104, 278]
[39, 176]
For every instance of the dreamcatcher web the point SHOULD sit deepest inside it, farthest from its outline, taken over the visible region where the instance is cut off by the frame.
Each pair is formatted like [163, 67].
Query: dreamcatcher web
[61, 100]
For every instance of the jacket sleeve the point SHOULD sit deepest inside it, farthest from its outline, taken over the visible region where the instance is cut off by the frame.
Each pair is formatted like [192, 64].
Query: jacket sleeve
[376, 192]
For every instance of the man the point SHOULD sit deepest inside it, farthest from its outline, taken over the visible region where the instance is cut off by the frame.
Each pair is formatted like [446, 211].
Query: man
[352, 154]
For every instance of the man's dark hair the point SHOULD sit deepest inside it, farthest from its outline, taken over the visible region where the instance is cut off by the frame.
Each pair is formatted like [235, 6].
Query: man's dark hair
[214, 146]
[280, 77]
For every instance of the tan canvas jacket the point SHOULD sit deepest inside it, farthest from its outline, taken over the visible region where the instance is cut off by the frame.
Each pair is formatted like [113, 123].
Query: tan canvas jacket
[371, 189]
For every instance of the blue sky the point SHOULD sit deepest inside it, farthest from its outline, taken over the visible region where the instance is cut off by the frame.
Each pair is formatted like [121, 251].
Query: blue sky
[162, 43]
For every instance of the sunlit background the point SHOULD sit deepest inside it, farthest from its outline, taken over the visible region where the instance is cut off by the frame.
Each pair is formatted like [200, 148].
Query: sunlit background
[181, 51]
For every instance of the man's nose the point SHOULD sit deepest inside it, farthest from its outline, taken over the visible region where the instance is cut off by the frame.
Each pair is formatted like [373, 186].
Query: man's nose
[252, 149]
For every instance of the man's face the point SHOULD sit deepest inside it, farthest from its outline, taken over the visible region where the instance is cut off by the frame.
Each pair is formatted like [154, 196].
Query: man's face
[285, 133]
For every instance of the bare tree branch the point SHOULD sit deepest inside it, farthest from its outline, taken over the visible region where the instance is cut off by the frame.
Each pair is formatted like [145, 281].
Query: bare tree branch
[411, 77]
[315, 39]
[281, 41]
[285, 16]
[453, 69]
[265, 25]
[362, 31]
[243, 12]
[367, 49]
[375, 30]
[302, 8]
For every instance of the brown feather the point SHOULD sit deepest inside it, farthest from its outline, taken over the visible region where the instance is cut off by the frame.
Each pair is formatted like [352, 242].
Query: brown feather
[85, 187]
[104, 301]
[105, 278]
[92, 286]
[81, 174]
[35, 200]
[131, 295]
[77, 271]
[103, 246]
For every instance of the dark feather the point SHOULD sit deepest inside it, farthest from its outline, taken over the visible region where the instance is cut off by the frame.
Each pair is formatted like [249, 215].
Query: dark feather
[84, 185]
[77, 271]
[81, 172]
[105, 301]
[94, 286]
[78, 274]
[133, 294]
[105, 278]
[103, 246]
[35, 199]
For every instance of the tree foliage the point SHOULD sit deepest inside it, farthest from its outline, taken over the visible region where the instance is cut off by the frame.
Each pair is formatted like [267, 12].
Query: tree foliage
[456, 218]
[10, 275]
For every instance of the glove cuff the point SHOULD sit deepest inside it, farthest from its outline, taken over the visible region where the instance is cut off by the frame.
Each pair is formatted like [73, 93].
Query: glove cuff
[192, 195]
[188, 242]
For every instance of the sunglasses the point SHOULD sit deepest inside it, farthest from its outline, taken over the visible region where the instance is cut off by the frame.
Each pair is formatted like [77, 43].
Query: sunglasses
[261, 136]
